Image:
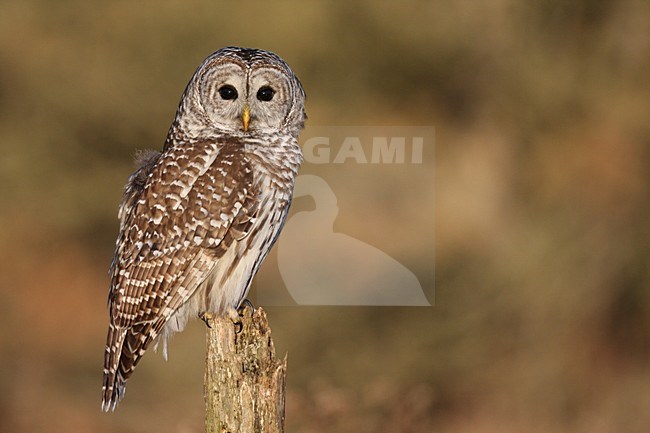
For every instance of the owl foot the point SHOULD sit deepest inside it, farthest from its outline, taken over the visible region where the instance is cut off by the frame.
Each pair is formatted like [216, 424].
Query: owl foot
[242, 307]
[235, 315]
[235, 318]
[206, 317]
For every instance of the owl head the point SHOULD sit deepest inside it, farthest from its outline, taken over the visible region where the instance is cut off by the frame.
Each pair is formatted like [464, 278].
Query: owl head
[241, 91]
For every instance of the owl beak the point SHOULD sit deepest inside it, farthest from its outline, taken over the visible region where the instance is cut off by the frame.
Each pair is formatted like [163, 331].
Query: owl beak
[246, 117]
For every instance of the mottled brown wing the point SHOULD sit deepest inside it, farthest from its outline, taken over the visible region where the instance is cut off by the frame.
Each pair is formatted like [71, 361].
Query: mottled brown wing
[174, 226]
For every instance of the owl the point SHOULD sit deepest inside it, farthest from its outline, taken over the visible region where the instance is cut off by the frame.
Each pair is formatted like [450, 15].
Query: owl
[198, 218]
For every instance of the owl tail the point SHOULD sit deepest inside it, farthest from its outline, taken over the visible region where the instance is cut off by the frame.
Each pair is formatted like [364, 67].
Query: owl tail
[113, 386]
[124, 349]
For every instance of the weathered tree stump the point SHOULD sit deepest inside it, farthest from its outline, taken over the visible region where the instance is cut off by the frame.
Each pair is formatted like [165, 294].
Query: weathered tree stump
[244, 382]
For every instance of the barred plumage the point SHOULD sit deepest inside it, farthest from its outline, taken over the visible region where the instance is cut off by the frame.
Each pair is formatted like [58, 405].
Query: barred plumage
[198, 218]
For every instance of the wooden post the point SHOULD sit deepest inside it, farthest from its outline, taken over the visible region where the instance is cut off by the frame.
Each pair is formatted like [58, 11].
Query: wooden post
[244, 382]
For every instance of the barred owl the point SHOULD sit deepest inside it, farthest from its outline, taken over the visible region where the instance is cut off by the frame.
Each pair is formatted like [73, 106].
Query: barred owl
[198, 218]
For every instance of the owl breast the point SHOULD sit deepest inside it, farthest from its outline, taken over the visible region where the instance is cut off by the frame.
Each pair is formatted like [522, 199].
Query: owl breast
[274, 169]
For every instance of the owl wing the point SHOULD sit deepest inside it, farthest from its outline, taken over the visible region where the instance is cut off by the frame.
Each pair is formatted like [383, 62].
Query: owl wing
[180, 212]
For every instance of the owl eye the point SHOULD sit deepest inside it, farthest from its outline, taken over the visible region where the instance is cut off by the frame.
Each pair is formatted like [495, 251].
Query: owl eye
[265, 93]
[228, 92]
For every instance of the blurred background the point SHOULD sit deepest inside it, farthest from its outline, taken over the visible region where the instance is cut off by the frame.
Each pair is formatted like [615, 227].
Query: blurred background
[542, 303]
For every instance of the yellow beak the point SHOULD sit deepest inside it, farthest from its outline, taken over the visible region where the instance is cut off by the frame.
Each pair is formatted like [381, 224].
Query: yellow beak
[246, 116]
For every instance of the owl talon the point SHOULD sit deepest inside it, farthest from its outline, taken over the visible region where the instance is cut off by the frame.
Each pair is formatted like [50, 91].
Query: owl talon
[242, 307]
[206, 317]
[235, 318]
